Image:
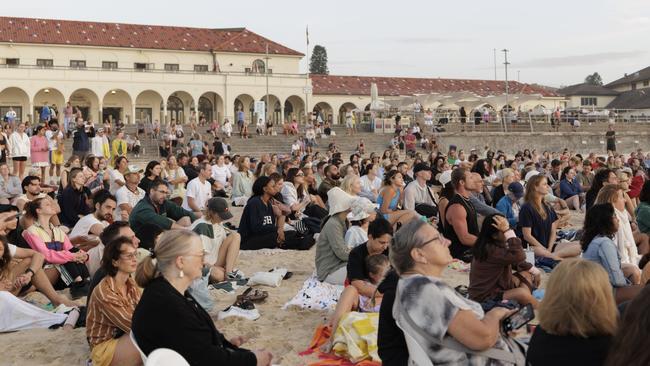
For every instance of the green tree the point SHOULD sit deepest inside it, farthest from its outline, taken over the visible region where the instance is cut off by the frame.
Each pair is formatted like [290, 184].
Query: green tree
[318, 62]
[594, 79]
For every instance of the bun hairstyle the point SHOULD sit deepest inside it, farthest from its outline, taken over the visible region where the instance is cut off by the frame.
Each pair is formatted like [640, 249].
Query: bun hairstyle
[170, 245]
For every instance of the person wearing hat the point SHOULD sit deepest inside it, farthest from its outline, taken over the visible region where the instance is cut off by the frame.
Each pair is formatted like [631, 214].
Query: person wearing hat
[418, 195]
[363, 212]
[220, 244]
[97, 143]
[509, 205]
[331, 250]
[130, 194]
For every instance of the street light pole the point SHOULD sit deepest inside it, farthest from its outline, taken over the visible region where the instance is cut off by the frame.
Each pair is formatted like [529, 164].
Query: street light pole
[506, 63]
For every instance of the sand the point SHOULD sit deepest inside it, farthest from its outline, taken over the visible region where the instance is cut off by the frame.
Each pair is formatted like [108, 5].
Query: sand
[284, 332]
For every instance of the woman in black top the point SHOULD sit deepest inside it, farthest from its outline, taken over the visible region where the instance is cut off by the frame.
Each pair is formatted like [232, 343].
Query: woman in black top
[602, 177]
[261, 225]
[567, 334]
[169, 317]
[151, 172]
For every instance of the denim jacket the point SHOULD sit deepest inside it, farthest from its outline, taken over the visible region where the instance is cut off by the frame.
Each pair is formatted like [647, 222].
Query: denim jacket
[603, 251]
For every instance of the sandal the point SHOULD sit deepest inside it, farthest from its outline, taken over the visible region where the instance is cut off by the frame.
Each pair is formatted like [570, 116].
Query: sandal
[244, 304]
[253, 295]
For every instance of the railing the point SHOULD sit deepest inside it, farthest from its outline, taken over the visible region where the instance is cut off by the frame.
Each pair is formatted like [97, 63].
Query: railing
[528, 122]
[124, 69]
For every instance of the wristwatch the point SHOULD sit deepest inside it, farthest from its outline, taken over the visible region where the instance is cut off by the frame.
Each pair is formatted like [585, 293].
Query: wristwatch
[30, 270]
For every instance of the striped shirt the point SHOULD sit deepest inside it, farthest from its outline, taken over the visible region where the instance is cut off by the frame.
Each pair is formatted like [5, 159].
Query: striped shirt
[109, 311]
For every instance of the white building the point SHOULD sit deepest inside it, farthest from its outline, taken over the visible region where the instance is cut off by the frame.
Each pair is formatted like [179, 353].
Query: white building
[146, 72]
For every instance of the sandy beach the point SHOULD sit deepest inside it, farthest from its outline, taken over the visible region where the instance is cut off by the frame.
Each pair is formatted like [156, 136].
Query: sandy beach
[284, 332]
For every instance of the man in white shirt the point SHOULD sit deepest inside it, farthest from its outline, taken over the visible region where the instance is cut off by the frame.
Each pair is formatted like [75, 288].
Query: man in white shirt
[199, 190]
[130, 194]
[417, 192]
[92, 225]
[370, 183]
[97, 143]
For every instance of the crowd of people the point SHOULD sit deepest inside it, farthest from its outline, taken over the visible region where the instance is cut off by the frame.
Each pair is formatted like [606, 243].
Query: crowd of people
[143, 244]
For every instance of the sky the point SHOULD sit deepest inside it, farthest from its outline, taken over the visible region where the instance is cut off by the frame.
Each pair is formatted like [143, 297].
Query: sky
[550, 42]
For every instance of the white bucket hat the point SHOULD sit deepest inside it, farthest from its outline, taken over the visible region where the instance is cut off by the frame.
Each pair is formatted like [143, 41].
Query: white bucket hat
[338, 200]
[361, 209]
[445, 177]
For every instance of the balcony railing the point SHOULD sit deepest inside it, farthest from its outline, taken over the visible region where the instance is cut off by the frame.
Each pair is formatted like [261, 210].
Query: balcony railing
[246, 72]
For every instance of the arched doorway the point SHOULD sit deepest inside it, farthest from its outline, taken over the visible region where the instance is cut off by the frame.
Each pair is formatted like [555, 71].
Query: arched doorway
[324, 112]
[16, 99]
[175, 109]
[346, 107]
[244, 103]
[294, 107]
[147, 106]
[274, 108]
[88, 103]
[55, 100]
[118, 106]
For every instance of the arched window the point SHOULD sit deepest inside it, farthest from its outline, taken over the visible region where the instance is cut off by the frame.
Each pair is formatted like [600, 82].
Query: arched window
[259, 66]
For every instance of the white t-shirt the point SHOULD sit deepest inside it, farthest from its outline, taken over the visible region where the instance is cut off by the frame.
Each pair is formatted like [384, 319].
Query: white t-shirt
[124, 195]
[12, 250]
[115, 175]
[221, 174]
[367, 186]
[355, 236]
[52, 144]
[84, 224]
[201, 192]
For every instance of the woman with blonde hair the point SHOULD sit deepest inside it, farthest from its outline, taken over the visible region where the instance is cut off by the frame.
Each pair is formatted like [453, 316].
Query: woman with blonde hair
[351, 184]
[577, 318]
[625, 238]
[176, 261]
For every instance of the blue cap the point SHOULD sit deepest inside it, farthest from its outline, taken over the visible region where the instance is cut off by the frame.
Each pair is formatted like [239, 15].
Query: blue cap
[516, 189]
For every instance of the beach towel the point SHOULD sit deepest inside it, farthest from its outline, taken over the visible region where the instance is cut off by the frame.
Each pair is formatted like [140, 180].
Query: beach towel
[322, 336]
[356, 337]
[316, 295]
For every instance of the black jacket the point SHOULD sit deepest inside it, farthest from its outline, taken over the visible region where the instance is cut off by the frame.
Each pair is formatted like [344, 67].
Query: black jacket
[166, 319]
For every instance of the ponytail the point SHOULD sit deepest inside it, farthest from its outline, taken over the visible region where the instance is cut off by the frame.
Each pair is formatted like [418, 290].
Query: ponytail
[145, 272]
[170, 245]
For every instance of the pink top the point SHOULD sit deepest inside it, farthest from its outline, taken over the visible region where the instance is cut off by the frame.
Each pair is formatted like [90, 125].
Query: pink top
[56, 250]
[38, 149]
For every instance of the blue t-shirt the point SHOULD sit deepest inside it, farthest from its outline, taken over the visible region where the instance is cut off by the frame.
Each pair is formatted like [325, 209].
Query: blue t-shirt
[240, 116]
[197, 147]
[540, 228]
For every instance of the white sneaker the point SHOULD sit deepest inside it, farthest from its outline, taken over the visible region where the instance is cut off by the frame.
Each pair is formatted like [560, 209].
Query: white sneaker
[239, 312]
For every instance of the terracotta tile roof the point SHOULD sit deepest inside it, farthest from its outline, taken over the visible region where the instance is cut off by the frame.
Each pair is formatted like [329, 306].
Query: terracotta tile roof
[394, 86]
[52, 31]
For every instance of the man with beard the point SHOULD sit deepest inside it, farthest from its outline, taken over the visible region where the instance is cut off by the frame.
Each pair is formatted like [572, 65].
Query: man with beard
[461, 226]
[89, 227]
[331, 180]
[156, 209]
[94, 223]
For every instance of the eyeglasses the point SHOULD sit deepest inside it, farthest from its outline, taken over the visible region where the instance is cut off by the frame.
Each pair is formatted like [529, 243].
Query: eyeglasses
[130, 256]
[166, 193]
